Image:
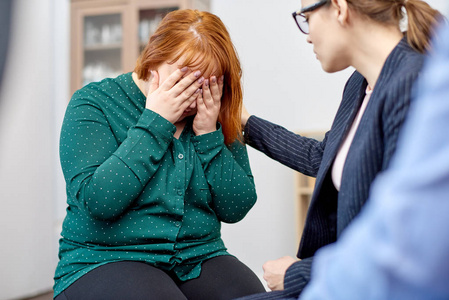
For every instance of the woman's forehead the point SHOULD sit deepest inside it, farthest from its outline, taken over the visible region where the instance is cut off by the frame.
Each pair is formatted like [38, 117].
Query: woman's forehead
[207, 67]
[305, 3]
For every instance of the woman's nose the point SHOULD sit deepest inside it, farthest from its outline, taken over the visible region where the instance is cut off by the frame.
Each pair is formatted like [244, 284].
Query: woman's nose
[308, 39]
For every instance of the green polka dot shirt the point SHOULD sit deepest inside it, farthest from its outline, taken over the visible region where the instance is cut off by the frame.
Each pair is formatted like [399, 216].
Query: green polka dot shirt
[136, 193]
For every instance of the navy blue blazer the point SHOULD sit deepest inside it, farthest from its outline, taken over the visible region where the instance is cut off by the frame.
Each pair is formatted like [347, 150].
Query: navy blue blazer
[370, 152]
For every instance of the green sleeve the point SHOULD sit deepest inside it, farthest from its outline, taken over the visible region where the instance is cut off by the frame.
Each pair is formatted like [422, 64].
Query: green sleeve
[104, 177]
[229, 175]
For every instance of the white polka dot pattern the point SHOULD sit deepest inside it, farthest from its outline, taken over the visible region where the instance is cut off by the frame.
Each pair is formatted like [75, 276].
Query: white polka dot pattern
[137, 193]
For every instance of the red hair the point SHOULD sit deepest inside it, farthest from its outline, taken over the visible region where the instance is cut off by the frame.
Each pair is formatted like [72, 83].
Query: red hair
[202, 40]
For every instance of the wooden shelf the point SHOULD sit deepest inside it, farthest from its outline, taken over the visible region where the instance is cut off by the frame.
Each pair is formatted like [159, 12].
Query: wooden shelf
[307, 191]
[304, 186]
[103, 47]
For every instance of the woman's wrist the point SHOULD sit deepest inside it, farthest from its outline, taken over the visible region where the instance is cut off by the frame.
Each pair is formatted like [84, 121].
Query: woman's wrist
[205, 131]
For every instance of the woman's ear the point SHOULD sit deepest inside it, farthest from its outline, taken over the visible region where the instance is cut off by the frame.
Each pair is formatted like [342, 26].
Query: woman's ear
[342, 12]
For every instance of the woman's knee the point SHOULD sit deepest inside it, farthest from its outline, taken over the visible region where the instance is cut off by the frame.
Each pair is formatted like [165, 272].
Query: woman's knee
[222, 277]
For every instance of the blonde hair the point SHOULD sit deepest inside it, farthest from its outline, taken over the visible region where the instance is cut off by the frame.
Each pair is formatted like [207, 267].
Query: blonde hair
[422, 18]
[202, 40]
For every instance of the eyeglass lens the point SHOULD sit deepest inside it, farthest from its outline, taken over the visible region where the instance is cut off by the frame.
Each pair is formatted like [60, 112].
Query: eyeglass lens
[302, 23]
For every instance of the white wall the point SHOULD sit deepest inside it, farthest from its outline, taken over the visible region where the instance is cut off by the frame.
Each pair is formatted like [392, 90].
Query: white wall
[32, 84]
[283, 83]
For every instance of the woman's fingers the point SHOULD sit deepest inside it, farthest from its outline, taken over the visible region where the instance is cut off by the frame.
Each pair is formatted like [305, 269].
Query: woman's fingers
[154, 82]
[245, 116]
[216, 88]
[207, 96]
[174, 78]
[194, 97]
[179, 83]
[200, 99]
[185, 91]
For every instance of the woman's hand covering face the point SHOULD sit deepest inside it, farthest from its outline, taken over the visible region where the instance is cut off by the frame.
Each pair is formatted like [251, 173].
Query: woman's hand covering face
[175, 94]
[208, 106]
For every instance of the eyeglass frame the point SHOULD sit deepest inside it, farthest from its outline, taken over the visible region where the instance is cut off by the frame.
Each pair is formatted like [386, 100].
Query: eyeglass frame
[305, 10]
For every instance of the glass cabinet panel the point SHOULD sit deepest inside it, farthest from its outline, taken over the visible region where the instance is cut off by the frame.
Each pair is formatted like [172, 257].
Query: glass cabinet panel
[149, 19]
[107, 36]
[102, 47]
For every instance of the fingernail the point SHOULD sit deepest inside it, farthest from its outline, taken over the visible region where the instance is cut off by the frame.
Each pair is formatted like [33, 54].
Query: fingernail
[201, 80]
[213, 79]
[206, 82]
[184, 69]
[197, 73]
[222, 77]
[197, 91]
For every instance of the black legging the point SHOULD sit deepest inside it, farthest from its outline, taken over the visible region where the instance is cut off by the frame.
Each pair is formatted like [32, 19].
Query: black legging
[222, 278]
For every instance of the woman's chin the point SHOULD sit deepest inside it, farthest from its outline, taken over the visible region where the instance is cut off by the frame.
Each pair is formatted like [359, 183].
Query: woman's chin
[332, 68]
[185, 115]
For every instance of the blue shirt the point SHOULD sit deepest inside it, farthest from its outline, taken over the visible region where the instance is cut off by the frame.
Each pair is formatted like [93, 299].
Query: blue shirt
[398, 247]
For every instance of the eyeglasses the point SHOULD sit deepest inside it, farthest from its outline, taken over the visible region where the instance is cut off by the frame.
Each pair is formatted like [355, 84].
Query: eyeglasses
[301, 19]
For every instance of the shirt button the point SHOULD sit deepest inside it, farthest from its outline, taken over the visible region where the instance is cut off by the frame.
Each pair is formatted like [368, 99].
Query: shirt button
[178, 224]
[180, 192]
[180, 156]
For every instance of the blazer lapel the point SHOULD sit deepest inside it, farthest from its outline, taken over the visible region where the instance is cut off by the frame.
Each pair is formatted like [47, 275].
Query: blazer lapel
[342, 123]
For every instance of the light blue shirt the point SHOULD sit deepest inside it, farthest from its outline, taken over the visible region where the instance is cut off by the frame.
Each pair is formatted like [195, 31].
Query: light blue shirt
[398, 247]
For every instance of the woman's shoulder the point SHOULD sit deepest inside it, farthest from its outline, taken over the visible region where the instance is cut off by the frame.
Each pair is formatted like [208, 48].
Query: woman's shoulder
[400, 70]
[404, 60]
[104, 89]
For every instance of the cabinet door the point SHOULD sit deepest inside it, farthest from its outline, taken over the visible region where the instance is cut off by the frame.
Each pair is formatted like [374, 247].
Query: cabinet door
[149, 19]
[98, 44]
[108, 35]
